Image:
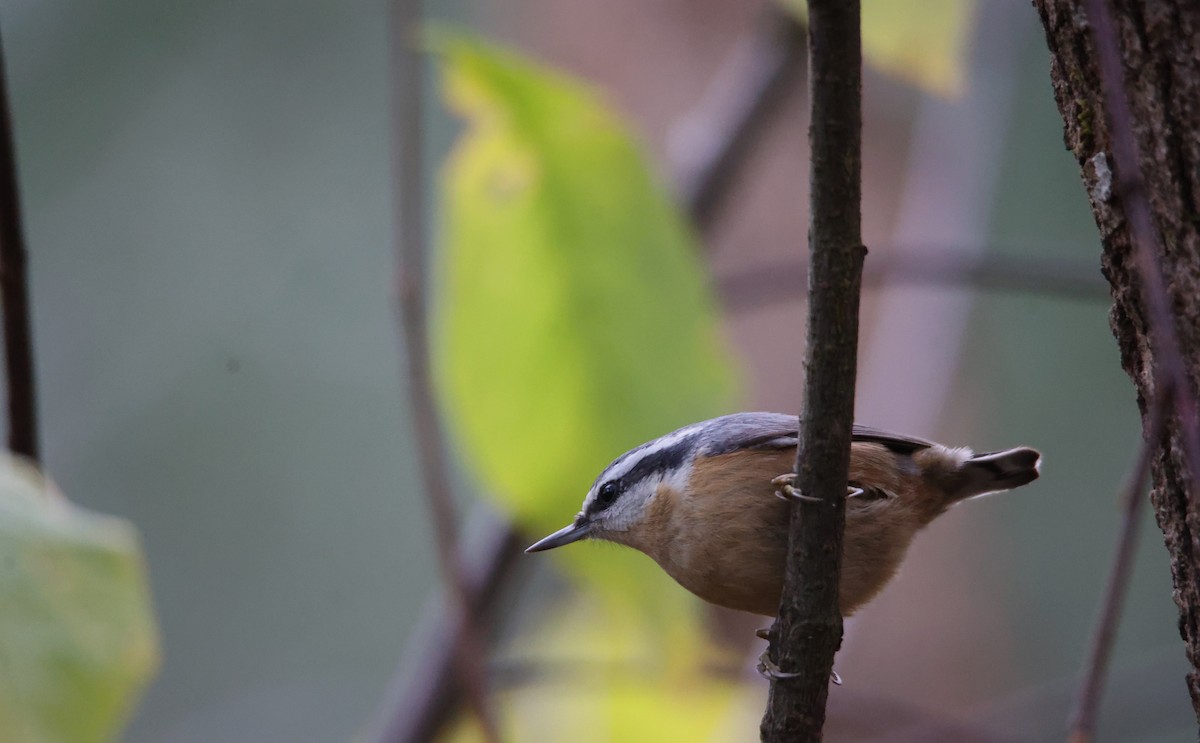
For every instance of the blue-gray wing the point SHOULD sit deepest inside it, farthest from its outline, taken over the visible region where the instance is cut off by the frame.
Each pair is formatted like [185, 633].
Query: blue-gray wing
[779, 431]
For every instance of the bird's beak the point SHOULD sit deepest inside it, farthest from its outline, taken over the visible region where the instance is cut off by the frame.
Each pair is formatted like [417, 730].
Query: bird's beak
[565, 535]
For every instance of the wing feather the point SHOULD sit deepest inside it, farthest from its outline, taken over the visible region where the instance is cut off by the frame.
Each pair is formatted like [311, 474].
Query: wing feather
[779, 431]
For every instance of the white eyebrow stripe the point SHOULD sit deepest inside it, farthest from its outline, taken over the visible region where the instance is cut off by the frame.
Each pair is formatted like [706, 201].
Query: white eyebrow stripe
[629, 460]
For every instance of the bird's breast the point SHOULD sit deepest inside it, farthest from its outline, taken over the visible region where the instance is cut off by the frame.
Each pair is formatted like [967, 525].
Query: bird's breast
[725, 537]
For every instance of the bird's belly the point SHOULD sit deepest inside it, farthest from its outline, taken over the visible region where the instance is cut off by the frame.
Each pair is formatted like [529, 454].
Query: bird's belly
[746, 572]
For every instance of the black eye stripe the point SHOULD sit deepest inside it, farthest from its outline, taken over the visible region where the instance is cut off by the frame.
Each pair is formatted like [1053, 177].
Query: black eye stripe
[660, 461]
[647, 465]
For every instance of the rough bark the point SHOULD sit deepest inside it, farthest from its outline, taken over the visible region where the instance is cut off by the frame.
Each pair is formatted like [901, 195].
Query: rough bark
[1160, 46]
[808, 631]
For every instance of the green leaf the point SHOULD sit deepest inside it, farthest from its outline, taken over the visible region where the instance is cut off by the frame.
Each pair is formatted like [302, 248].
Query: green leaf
[77, 635]
[594, 676]
[922, 43]
[574, 318]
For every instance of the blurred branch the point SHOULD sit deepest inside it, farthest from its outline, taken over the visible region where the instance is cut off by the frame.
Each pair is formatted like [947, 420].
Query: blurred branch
[808, 631]
[419, 704]
[1083, 719]
[758, 286]
[14, 293]
[1144, 706]
[468, 647]
[423, 694]
[710, 144]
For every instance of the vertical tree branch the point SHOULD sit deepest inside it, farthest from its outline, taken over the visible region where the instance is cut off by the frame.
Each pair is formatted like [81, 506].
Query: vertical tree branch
[1127, 83]
[1169, 371]
[808, 631]
[410, 279]
[1170, 374]
[14, 293]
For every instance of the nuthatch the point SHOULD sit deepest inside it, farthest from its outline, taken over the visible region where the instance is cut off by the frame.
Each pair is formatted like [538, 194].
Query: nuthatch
[700, 502]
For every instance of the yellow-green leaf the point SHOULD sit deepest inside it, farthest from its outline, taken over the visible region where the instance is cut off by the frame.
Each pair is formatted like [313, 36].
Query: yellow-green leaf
[77, 635]
[574, 316]
[923, 43]
[591, 676]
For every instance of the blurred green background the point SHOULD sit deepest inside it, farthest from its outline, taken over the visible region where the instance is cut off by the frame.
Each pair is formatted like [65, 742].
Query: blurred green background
[208, 209]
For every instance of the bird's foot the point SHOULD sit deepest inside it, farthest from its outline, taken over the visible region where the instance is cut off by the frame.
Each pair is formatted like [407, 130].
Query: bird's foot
[771, 671]
[787, 489]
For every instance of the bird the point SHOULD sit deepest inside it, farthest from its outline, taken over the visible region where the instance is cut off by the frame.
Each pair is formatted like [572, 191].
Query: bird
[710, 503]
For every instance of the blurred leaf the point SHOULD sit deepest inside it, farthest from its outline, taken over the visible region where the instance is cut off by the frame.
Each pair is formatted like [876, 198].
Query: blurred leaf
[591, 676]
[77, 635]
[922, 43]
[575, 320]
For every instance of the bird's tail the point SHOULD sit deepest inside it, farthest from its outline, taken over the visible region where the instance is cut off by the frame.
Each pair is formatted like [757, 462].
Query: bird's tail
[998, 470]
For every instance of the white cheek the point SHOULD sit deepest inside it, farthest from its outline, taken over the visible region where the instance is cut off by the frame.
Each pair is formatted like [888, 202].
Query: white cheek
[624, 514]
[631, 509]
[678, 479]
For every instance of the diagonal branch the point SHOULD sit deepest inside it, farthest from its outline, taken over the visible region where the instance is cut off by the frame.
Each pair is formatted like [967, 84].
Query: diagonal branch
[808, 631]
[422, 694]
[1083, 718]
[14, 293]
[711, 144]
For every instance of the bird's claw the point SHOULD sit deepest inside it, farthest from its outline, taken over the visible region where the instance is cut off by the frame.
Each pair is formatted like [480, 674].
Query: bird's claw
[787, 489]
[770, 671]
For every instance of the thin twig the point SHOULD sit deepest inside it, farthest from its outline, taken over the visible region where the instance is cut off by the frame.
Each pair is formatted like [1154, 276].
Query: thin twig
[758, 286]
[410, 280]
[424, 692]
[14, 294]
[1083, 719]
[1130, 184]
[808, 631]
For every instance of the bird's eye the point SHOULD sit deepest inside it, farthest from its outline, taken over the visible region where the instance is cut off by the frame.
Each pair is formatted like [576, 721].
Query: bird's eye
[608, 492]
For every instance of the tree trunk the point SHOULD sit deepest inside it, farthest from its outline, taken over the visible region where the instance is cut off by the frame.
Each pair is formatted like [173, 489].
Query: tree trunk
[1160, 46]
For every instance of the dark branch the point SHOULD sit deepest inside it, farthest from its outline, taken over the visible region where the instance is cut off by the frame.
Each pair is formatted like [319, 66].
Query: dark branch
[14, 293]
[712, 142]
[411, 235]
[1168, 378]
[760, 286]
[1083, 719]
[808, 631]
[1170, 371]
[425, 692]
